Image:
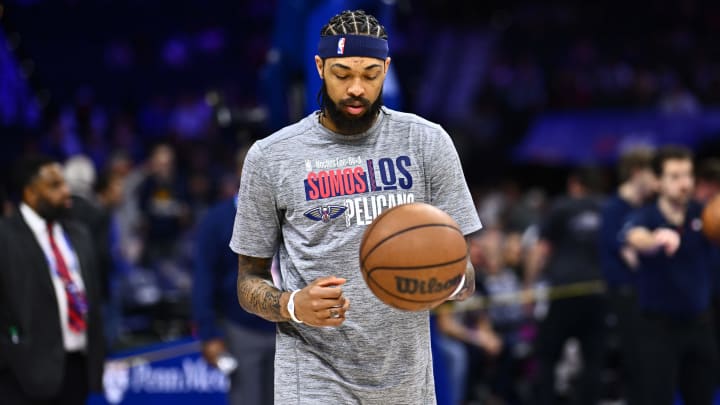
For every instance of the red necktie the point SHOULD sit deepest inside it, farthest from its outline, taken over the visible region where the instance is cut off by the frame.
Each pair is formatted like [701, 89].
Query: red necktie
[75, 297]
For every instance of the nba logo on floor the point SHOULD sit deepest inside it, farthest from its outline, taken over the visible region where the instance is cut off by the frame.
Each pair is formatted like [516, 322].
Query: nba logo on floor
[341, 46]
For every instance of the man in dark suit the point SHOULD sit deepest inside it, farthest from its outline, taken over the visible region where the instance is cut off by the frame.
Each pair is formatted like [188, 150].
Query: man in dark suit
[51, 342]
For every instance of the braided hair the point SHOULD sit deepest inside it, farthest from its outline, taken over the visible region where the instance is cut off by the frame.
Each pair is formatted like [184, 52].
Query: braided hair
[355, 22]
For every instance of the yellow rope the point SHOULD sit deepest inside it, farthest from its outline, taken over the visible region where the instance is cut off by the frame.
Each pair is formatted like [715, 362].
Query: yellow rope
[525, 296]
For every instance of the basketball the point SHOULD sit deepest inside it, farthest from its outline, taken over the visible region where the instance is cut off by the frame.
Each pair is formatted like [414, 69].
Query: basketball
[413, 256]
[711, 220]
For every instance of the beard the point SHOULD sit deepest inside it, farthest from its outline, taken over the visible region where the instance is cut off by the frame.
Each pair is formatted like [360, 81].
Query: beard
[51, 212]
[347, 124]
[680, 198]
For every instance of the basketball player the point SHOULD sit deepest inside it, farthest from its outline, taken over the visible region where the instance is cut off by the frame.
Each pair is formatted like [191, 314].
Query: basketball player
[310, 190]
[675, 270]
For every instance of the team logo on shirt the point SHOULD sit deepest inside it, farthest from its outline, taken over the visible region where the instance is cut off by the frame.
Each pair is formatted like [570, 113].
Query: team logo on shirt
[325, 213]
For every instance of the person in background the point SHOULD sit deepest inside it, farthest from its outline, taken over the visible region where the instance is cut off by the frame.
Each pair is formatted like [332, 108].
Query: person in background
[675, 271]
[637, 186]
[566, 255]
[109, 195]
[707, 187]
[707, 179]
[162, 198]
[502, 288]
[226, 330]
[81, 177]
[52, 345]
[466, 337]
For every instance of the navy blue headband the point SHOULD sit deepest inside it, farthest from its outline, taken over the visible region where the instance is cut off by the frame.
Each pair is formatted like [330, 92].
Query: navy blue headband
[338, 46]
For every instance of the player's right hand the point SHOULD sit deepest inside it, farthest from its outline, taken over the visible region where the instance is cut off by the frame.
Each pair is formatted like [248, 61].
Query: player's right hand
[322, 303]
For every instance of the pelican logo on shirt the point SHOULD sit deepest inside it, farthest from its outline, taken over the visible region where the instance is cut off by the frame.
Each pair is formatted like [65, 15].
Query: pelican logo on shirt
[325, 213]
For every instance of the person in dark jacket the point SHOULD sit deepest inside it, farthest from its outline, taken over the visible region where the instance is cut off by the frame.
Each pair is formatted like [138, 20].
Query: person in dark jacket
[225, 329]
[637, 187]
[675, 274]
[51, 334]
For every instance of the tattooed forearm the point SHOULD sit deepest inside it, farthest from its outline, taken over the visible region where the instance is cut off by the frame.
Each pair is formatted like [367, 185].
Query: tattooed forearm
[255, 291]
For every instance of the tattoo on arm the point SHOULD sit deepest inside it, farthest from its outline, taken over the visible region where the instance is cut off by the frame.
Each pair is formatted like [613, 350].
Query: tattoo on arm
[255, 290]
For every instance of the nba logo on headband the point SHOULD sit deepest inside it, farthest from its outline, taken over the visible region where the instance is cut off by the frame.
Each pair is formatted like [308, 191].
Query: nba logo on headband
[341, 46]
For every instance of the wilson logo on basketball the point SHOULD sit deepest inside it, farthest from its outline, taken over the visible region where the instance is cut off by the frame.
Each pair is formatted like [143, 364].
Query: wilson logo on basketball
[407, 285]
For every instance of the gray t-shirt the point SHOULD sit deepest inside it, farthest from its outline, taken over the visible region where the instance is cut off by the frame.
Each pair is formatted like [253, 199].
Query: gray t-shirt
[308, 194]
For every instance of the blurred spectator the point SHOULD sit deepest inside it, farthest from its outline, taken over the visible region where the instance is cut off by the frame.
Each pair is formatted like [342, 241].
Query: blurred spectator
[222, 325]
[675, 269]
[566, 255]
[467, 339]
[513, 252]
[467, 342]
[162, 197]
[501, 287]
[80, 175]
[707, 187]
[95, 199]
[109, 195]
[637, 186]
[707, 179]
[120, 164]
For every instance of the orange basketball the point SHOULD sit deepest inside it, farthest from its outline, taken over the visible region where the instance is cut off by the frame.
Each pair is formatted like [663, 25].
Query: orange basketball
[711, 220]
[413, 256]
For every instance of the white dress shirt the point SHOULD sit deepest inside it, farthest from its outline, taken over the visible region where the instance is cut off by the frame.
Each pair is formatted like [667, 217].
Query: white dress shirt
[73, 341]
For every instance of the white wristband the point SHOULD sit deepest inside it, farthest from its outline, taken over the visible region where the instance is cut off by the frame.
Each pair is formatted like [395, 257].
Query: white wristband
[291, 307]
[458, 289]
